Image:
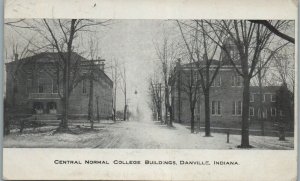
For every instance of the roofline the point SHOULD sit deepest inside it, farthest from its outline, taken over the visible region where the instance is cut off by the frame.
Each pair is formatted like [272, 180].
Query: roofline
[32, 56]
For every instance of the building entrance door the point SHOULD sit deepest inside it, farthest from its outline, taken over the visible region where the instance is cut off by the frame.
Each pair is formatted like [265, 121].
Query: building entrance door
[51, 108]
[38, 107]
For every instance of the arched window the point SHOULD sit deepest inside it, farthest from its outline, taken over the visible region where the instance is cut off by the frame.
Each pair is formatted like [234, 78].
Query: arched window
[51, 107]
[38, 107]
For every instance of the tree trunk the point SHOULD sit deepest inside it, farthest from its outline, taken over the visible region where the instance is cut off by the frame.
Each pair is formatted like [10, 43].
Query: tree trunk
[179, 96]
[192, 119]
[98, 113]
[6, 122]
[171, 116]
[67, 72]
[245, 114]
[115, 98]
[261, 104]
[65, 99]
[114, 116]
[125, 113]
[198, 118]
[207, 113]
[91, 105]
[160, 105]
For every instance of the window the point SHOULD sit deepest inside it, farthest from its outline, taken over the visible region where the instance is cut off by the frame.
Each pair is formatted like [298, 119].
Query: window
[281, 113]
[264, 97]
[251, 111]
[233, 81]
[232, 54]
[84, 86]
[216, 82]
[237, 108]
[219, 81]
[251, 97]
[273, 111]
[44, 85]
[236, 81]
[28, 85]
[264, 114]
[216, 107]
[273, 98]
[233, 108]
[41, 88]
[55, 88]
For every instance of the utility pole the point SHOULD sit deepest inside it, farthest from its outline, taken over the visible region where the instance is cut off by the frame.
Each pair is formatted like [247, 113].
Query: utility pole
[91, 96]
[179, 89]
[115, 92]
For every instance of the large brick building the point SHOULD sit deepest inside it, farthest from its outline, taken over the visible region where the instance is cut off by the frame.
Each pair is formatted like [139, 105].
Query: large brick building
[225, 97]
[34, 86]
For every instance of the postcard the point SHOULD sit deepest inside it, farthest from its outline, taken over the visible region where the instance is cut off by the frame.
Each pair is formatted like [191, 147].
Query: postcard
[150, 90]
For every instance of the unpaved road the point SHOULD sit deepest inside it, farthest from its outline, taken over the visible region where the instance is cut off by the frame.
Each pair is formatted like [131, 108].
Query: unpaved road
[138, 135]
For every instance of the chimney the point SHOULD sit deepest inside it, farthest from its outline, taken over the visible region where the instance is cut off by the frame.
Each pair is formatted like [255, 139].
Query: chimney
[16, 57]
[102, 65]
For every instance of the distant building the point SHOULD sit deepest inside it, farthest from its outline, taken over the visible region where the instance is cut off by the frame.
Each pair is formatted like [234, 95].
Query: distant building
[34, 85]
[226, 96]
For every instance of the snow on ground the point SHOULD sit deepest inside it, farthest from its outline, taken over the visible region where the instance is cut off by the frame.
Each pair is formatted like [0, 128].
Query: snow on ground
[135, 134]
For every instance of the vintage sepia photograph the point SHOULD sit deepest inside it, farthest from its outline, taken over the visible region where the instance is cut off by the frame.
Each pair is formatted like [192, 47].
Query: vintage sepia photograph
[149, 84]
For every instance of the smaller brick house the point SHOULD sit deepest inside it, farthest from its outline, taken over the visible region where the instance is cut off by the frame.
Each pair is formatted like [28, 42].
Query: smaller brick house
[34, 86]
[269, 111]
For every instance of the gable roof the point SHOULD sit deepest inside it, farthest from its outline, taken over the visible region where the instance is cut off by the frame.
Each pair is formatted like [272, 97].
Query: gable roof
[52, 57]
[47, 57]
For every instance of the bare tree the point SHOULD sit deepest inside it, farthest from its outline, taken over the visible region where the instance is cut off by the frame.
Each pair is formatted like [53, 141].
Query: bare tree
[167, 55]
[61, 35]
[124, 90]
[115, 77]
[282, 68]
[155, 94]
[14, 72]
[17, 69]
[202, 51]
[250, 39]
[92, 77]
[260, 80]
[274, 30]
[191, 87]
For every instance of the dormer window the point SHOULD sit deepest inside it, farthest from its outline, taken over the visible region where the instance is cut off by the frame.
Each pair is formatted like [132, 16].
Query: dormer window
[217, 82]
